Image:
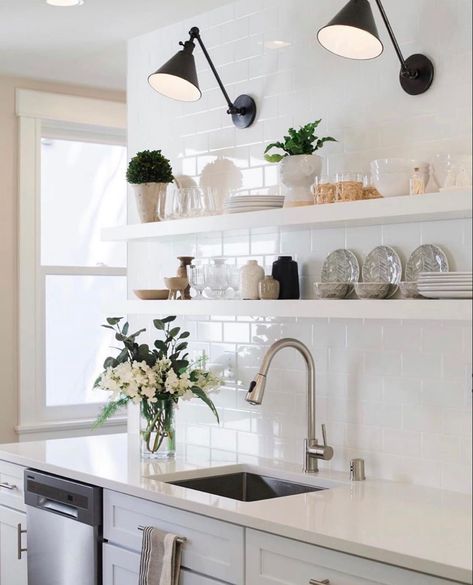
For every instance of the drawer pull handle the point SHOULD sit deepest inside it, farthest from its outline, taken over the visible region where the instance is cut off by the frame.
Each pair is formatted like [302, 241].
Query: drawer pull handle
[180, 539]
[315, 582]
[8, 486]
[20, 532]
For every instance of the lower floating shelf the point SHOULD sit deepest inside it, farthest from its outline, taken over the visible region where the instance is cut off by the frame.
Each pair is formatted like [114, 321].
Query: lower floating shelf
[418, 309]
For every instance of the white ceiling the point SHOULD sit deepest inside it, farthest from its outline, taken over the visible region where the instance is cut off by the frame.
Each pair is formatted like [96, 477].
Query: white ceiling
[83, 45]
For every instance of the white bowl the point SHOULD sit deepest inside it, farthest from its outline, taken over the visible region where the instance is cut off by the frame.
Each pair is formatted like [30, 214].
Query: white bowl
[384, 166]
[391, 184]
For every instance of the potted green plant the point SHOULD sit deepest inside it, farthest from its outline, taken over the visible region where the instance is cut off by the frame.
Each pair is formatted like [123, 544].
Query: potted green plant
[298, 164]
[155, 378]
[149, 172]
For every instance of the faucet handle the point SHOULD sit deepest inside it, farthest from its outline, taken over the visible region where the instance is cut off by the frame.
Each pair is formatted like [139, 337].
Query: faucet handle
[324, 435]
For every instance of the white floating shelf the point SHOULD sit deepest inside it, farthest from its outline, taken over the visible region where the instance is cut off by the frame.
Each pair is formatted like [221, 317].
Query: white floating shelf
[418, 309]
[435, 206]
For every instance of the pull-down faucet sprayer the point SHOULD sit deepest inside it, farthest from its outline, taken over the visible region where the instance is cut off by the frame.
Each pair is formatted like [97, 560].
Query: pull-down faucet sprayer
[313, 451]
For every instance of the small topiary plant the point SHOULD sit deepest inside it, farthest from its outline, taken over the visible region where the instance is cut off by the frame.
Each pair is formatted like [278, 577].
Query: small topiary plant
[302, 141]
[149, 166]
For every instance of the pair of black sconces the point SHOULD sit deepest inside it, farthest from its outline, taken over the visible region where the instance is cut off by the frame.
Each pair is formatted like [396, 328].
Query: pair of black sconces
[352, 33]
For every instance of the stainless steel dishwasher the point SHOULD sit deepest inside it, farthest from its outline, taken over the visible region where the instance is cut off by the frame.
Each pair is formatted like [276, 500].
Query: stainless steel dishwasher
[64, 531]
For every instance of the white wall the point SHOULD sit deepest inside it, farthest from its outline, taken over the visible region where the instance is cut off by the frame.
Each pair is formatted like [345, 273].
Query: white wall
[9, 237]
[396, 393]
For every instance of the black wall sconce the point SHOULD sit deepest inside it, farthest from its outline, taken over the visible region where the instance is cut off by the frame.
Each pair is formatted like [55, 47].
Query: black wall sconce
[352, 33]
[177, 79]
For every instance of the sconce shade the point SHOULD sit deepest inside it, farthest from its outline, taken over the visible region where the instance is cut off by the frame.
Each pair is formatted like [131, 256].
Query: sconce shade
[177, 79]
[352, 33]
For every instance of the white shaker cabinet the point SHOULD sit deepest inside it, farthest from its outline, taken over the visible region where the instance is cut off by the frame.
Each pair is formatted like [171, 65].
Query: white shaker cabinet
[13, 570]
[272, 560]
[121, 567]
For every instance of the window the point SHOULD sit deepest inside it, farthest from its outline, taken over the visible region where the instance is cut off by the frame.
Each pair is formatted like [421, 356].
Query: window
[72, 184]
[83, 188]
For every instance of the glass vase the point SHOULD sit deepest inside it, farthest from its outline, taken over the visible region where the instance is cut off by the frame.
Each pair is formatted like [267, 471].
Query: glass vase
[158, 430]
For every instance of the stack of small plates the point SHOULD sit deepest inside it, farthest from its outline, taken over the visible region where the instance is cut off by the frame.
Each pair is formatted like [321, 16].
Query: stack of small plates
[446, 285]
[246, 203]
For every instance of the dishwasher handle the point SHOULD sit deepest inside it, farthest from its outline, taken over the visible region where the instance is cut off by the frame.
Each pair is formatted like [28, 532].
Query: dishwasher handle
[59, 508]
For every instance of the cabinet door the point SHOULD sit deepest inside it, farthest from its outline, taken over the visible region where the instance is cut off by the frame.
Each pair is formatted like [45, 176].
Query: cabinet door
[272, 560]
[121, 567]
[13, 571]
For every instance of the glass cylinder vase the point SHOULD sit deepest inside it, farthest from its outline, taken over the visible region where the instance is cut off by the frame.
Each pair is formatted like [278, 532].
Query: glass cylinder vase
[158, 430]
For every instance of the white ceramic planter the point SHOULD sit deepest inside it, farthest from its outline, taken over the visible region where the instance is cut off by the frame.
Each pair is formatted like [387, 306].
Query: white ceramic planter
[297, 174]
[150, 201]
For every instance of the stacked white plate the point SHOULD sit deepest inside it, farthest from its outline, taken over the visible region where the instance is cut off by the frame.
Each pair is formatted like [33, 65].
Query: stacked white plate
[446, 285]
[247, 203]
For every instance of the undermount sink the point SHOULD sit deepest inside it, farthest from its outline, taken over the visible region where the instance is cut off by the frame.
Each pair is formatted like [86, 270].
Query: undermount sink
[246, 487]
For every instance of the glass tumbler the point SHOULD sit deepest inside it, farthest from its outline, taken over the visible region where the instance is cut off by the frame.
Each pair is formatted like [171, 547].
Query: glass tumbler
[349, 186]
[216, 279]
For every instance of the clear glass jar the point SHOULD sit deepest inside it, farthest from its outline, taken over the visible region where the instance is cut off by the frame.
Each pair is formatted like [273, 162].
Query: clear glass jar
[324, 190]
[158, 429]
[370, 190]
[349, 186]
[417, 182]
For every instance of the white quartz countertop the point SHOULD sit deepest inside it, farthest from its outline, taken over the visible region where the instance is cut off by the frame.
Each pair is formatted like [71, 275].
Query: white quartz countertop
[417, 528]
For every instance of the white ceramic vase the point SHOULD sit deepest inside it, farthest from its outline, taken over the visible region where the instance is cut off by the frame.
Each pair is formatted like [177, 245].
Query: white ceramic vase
[250, 276]
[150, 201]
[297, 174]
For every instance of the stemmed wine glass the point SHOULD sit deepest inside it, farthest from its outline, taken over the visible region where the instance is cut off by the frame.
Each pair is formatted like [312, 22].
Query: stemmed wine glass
[197, 279]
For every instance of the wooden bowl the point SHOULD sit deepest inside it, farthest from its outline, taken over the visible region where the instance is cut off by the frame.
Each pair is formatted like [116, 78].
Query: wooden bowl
[152, 294]
[176, 283]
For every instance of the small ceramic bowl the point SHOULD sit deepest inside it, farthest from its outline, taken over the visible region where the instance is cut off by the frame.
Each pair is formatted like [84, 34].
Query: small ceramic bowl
[409, 290]
[372, 290]
[331, 290]
[152, 295]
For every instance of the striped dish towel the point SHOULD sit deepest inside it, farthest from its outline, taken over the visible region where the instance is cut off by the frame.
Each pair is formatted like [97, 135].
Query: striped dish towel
[160, 558]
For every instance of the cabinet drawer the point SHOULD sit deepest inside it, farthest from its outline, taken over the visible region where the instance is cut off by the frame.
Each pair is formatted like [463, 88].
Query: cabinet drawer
[122, 567]
[275, 560]
[213, 548]
[11, 485]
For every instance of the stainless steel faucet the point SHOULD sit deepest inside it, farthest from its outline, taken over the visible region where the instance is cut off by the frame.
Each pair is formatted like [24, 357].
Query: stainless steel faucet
[313, 451]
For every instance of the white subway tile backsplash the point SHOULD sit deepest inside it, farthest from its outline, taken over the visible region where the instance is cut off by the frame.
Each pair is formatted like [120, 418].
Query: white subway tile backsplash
[398, 394]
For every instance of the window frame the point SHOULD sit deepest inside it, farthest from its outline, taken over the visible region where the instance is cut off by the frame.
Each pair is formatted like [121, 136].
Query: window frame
[58, 116]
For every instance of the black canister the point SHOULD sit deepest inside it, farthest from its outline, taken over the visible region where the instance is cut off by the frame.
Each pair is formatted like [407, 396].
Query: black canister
[286, 272]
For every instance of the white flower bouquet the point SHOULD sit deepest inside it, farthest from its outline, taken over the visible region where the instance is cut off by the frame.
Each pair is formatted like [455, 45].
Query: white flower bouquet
[156, 379]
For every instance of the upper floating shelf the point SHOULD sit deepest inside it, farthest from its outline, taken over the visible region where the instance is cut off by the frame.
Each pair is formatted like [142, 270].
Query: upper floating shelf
[435, 206]
[445, 310]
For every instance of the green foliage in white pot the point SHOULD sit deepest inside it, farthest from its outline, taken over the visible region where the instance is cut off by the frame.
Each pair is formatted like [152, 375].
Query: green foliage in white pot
[302, 141]
[149, 166]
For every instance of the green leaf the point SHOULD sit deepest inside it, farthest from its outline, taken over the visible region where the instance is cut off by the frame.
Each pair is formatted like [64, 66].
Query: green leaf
[184, 335]
[274, 158]
[181, 347]
[180, 366]
[169, 319]
[133, 336]
[174, 332]
[114, 320]
[108, 327]
[110, 409]
[109, 363]
[125, 328]
[273, 145]
[161, 346]
[159, 324]
[203, 396]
